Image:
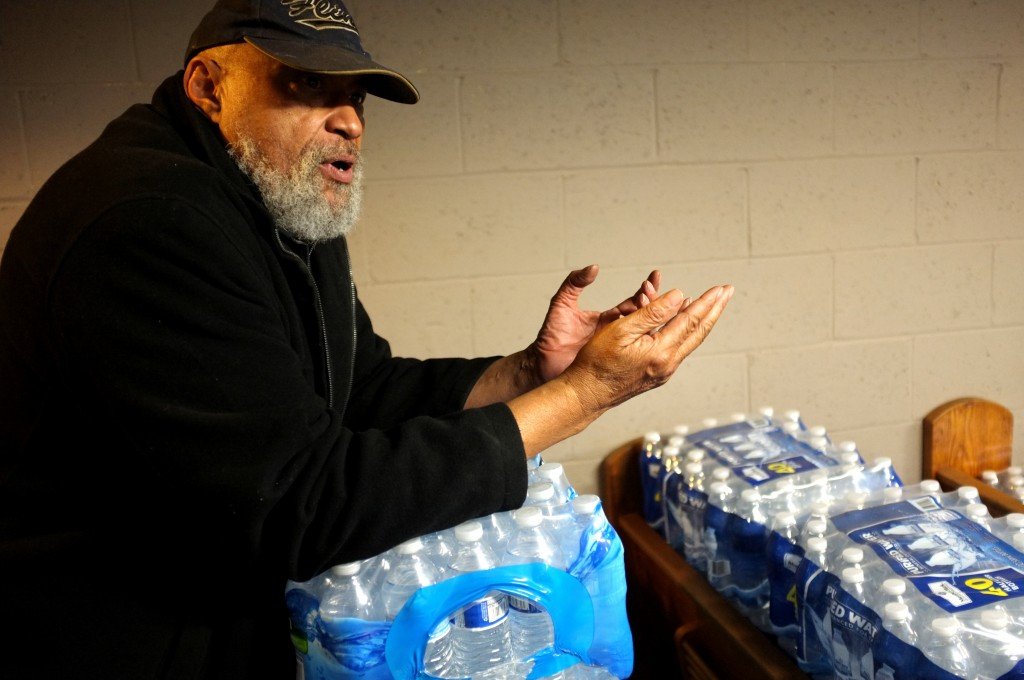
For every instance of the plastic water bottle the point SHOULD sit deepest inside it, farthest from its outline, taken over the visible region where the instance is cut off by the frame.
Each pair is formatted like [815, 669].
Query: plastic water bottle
[650, 474]
[893, 592]
[347, 596]
[411, 571]
[817, 552]
[531, 626]
[892, 494]
[947, 649]
[584, 518]
[749, 533]
[990, 477]
[978, 513]
[966, 495]
[555, 473]
[852, 557]
[998, 644]
[480, 631]
[1014, 523]
[721, 504]
[851, 648]
[896, 619]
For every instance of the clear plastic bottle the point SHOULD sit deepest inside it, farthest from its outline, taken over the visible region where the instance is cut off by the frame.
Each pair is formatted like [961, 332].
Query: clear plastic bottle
[817, 552]
[346, 596]
[480, 631]
[585, 518]
[946, 647]
[990, 477]
[893, 591]
[650, 476]
[966, 495]
[998, 643]
[1014, 523]
[896, 619]
[749, 532]
[555, 474]
[892, 494]
[721, 505]
[412, 570]
[853, 557]
[531, 627]
[978, 513]
[851, 648]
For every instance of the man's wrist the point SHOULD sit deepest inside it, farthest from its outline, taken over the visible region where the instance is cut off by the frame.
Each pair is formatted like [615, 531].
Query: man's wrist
[528, 375]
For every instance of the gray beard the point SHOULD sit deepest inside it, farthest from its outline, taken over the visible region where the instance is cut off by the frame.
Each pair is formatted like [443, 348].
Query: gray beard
[296, 199]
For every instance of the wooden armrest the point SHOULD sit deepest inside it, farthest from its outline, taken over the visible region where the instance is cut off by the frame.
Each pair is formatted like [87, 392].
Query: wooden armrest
[969, 435]
[999, 503]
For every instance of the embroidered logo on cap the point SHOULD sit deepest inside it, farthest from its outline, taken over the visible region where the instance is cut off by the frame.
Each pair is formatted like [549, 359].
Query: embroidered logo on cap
[320, 14]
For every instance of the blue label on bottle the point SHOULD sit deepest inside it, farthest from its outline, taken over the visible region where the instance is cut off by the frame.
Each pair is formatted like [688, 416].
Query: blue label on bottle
[756, 446]
[784, 559]
[950, 559]
[484, 613]
[523, 605]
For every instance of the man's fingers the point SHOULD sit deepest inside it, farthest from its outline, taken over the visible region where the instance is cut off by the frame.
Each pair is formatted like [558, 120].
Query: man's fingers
[693, 324]
[656, 314]
[575, 282]
[654, 278]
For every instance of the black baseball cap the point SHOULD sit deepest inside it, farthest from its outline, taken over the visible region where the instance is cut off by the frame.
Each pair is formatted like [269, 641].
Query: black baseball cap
[319, 36]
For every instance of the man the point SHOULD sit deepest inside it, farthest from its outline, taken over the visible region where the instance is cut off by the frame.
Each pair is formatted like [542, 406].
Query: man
[194, 405]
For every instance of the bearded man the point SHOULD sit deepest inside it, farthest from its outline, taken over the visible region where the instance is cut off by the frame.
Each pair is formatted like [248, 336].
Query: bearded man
[194, 407]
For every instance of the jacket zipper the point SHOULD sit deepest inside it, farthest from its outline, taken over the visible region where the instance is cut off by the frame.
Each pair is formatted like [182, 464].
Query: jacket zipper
[323, 326]
[355, 330]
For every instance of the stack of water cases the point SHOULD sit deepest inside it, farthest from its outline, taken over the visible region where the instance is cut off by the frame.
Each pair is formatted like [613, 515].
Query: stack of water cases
[534, 593]
[1010, 480]
[858, 576]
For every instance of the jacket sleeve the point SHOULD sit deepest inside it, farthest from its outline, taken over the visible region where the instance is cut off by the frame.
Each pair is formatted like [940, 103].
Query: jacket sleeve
[173, 342]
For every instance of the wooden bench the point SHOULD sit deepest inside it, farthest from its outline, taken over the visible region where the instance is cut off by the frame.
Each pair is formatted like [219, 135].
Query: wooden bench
[683, 628]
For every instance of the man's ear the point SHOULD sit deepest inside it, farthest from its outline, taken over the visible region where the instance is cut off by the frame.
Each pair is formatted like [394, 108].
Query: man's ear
[202, 78]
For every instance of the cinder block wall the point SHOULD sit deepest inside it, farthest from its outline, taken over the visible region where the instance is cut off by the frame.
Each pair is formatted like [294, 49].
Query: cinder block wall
[854, 168]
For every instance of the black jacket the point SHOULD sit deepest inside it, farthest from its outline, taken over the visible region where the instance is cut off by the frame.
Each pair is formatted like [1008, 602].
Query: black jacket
[194, 408]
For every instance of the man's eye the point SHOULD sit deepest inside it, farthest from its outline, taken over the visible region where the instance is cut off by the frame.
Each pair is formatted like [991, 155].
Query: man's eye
[312, 81]
[358, 98]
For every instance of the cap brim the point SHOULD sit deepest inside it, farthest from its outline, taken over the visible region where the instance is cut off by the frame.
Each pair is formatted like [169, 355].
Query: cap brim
[318, 58]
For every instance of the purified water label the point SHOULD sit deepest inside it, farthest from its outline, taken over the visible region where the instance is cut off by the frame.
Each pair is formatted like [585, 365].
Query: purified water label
[950, 559]
[754, 447]
[483, 613]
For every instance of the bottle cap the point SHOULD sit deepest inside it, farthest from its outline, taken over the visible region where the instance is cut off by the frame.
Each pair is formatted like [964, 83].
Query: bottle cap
[719, 488]
[995, 619]
[694, 468]
[1014, 471]
[891, 494]
[976, 510]
[945, 626]
[709, 422]
[853, 555]
[784, 519]
[792, 416]
[817, 431]
[1015, 520]
[815, 526]
[585, 504]
[681, 430]
[720, 473]
[850, 457]
[528, 517]
[819, 443]
[766, 411]
[750, 495]
[881, 462]
[541, 491]
[1015, 481]
[853, 575]
[930, 486]
[847, 446]
[469, 532]
[409, 547]
[670, 451]
[347, 569]
[652, 438]
[677, 440]
[896, 611]
[790, 427]
[967, 493]
[894, 586]
[817, 544]
[738, 417]
[990, 476]
[695, 455]
[550, 471]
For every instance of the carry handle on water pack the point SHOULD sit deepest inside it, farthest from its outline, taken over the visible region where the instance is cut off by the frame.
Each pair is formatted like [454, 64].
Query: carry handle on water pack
[564, 598]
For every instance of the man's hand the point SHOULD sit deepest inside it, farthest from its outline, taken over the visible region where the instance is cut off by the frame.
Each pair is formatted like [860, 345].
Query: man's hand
[626, 357]
[567, 328]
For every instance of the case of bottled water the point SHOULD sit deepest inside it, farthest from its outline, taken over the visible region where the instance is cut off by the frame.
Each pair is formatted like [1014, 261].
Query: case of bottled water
[535, 593]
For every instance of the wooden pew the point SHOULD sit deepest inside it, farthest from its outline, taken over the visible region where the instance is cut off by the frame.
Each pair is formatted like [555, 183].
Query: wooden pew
[963, 437]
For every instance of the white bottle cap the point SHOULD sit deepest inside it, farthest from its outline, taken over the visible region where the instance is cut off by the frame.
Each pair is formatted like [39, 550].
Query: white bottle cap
[347, 569]
[750, 495]
[695, 455]
[670, 451]
[815, 526]
[720, 473]
[853, 555]
[881, 462]
[995, 619]
[990, 476]
[409, 547]
[792, 416]
[819, 443]
[1014, 471]
[585, 504]
[847, 446]
[719, 488]
[550, 471]
[853, 575]
[967, 493]
[528, 517]
[681, 430]
[541, 491]
[817, 544]
[817, 431]
[784, 519]
[850, 457]
[709, 423]
[790, 428]
[1016, 481]
[930, 486]
[469, 532]
[694, 468]
[896, 611]
[677, 440]
[891, 494]
[894, 586]
[945, 626]
[766, 411]
[1015, 520]
[738, 417]
[652, 438]
[976, 510]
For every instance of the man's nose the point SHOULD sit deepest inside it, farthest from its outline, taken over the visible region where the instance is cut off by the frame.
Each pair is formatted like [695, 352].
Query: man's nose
[345, 120]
